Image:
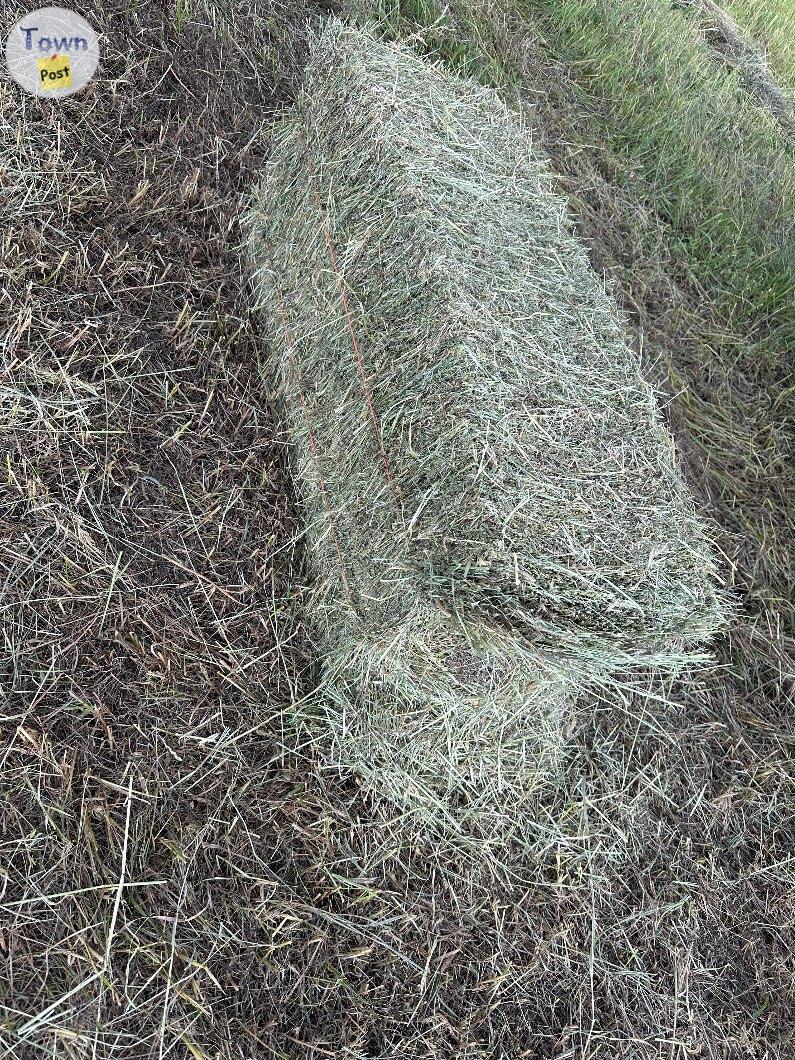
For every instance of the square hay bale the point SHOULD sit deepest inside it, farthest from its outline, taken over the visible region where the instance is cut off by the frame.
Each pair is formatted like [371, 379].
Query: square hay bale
[455, 724]
[494, 517]
[469, 420]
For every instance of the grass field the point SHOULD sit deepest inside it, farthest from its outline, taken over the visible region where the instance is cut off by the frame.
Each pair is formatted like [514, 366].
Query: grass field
[179, 875]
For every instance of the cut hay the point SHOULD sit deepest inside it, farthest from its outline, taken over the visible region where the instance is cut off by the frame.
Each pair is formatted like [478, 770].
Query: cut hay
[470, 428]
[737, 50]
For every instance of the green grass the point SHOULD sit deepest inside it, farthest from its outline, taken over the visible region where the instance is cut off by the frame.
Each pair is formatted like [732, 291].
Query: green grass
[771, 23]
[719, 169]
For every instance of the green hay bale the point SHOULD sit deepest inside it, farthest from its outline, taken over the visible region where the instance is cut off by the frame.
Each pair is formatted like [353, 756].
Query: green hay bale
[482, 434]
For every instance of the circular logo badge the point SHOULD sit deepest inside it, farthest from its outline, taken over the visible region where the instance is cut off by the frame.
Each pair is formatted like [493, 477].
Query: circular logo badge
[52, 52]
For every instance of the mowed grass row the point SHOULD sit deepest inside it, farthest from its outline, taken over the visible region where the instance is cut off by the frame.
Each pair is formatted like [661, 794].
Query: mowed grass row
[771, 24]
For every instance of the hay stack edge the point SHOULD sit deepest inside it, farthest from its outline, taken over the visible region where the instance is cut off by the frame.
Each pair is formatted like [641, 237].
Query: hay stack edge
[494, 515]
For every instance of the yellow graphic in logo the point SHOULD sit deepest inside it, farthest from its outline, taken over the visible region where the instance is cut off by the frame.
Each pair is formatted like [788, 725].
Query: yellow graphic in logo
[55, 72]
